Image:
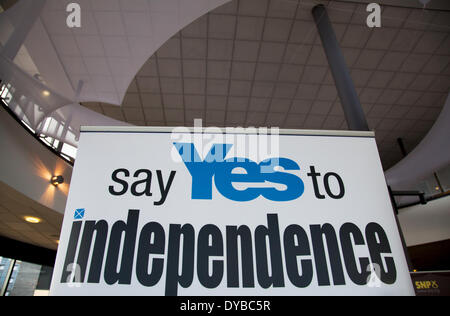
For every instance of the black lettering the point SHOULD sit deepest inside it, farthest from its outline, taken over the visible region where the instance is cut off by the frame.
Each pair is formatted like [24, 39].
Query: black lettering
[71, 250]
[147, 181]
[313, 174]
[326, 183]
[173, 254]
[272, 232]
[116, 179]
[296, 244]
[164, 189]
[245, 237]
[210, 243]
[358, 276]
[147, 247]
[129, 229]
[317, 232]
[381, 246]
[101, 233]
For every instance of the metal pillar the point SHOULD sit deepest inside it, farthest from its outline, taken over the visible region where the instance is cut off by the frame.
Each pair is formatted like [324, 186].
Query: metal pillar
[353, 111]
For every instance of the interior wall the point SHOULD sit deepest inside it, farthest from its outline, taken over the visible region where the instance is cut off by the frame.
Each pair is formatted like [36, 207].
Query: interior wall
[427, 223]
[27, 166]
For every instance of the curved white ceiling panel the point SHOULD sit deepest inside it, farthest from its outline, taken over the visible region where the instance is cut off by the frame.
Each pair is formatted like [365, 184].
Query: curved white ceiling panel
[432, 154]
[115, 39]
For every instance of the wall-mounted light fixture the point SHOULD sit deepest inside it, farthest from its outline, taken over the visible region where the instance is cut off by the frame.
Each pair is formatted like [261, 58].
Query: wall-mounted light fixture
[32, 219]
[56, 180]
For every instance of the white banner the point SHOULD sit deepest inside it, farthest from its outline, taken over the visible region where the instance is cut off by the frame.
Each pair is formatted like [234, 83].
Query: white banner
[155, 212]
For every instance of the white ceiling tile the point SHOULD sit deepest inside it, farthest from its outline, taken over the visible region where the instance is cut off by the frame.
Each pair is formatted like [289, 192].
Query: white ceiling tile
[389, 96]
[379, 111]
[314, 121]
[333, 122]
[271, 52]
[401, 80]
[90, 45]
[65, 45]
[369, 59]
[290, 73]
[327, 93]
[436, 64]
[237, 103]
[416, 112]
[356, 36]
[259, 104]
[243, 70]
[422, 82]
[194, 68]
[392, 61]
[215, 117]
[294, 121]
[134, 5]
[97, 66]
[350, 55]
[360, 77]
[220, 49]
[301, 106]
[171, 48]
[131, 100]
[193, 115]
[297, 54]
[198, 28]
[147, 84]
[194, 102]
[381, 38]
[227, 8]
[216, 102]
[394, 16]
[253, 7]
[370, 95]
[275, 119]
[266, 72]
[321, 107]
[307, 91]
[429, 42]
[235, 118]
[317, 57]
[194, 48]
[221, 26]
[133, 114]
[169, 67]
[110, 23]
[276, 30]
[154, 114]
[173, 101]
[340, 12]
[405, 40]
[217, 87]
[280, 106]
[246, 51]
[303, 33]
[419, 19]
[175, 116]
[398, 111]
[137, 24]
[148, 69]
[256, 119]
[262, 89]
[432, 99]
[415, 62]
[194, 86]
[249, 28]
[285, 90]
[380, 79]
[240, 88]
[313, 74]
[151, 100]
[282, 9]
[171, 85]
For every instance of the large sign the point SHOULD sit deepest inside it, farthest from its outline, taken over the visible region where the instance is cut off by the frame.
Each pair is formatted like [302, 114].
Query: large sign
[245, 212]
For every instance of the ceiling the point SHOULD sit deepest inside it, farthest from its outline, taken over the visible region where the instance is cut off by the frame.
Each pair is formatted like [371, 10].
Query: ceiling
[261, 63]
[14, 206]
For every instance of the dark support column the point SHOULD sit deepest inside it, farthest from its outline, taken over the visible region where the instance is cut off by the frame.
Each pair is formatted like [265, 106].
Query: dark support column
[353, 111]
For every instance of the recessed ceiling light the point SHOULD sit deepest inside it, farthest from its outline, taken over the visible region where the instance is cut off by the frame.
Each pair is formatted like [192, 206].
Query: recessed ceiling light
[32, 219]
[55, 180]
[46, 93]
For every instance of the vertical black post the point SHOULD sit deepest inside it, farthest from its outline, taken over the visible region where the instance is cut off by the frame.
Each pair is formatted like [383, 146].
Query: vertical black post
[353, 111]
